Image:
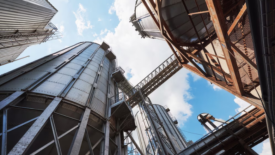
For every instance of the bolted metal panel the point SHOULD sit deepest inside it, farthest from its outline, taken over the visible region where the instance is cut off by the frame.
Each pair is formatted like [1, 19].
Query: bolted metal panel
[80, 92]
[24, 81]
[70, 76]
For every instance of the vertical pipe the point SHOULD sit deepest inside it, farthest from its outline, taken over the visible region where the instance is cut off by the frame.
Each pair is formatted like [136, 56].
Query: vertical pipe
[104, 148]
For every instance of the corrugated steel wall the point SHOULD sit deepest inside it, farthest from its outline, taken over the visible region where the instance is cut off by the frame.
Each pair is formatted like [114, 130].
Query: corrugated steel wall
[11, 53]
[173, 133]
[23, 22]
[143, 137]
[25, 15]
[170, 127]
[55, 84]
[177, 20]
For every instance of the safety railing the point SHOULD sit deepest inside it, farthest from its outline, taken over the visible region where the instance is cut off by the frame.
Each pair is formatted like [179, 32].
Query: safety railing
[119, 69]
[116, 98]
[155, 72]
[232, 119]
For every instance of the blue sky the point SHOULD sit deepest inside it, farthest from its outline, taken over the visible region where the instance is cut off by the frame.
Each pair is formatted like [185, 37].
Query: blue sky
[186, 94]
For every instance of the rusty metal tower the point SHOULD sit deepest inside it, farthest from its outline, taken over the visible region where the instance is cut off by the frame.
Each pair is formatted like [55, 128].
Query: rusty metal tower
[22, 24]
[215, 40]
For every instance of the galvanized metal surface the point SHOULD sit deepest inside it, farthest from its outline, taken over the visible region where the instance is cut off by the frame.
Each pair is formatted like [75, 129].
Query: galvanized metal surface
[80, 69]
[24, 23]
[25, 142]
[147, 142]
[175, 17]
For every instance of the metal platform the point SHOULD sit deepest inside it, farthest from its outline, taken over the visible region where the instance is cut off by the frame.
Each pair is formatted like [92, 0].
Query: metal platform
[110, 55]
[235, 136]
[122, 113]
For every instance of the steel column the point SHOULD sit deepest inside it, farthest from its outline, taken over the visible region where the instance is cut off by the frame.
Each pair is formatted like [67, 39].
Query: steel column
[76, 145]
[4, 132]
[24, 143]
[56, 141]
[89, 142]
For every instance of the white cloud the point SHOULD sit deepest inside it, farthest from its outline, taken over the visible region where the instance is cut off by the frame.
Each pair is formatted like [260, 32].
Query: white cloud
[242, 105]
[81, 22]
[99, 19]
[215, 87]
[141, 56]
[95, 34]
[266, 148]
[102, 32]
[112, 9]
[61, 28]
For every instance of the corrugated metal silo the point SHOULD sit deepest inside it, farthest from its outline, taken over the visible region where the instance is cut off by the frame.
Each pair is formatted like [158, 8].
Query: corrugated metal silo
[147, 136]
[176, 18]
[62, 104]
[24, 23]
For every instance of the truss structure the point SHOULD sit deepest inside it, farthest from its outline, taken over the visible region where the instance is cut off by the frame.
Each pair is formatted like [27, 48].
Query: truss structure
[189, 59]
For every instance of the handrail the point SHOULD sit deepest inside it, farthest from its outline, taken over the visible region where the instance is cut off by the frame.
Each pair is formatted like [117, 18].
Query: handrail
[151, 75]
[223, 124]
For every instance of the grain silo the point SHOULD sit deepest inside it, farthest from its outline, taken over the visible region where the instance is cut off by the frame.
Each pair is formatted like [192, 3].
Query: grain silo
[64, 103]
[24, 23]
[148, 133]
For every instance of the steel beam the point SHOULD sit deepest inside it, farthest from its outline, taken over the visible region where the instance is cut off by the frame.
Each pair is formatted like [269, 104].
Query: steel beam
[218, 20]
[243, 56]
[11, 99]
[4, 132]
[237, 19]
[51, 142]
[231, 89]
[18, 126]
[24, 143]
[89, 143]
[56, 141]
[133, 141]
[76, 145]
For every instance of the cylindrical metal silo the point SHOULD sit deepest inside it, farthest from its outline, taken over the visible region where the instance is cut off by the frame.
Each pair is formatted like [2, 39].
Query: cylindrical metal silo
[24, 23]
[148, 136]
[176, 18]
[188, 25]
[61, 104]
